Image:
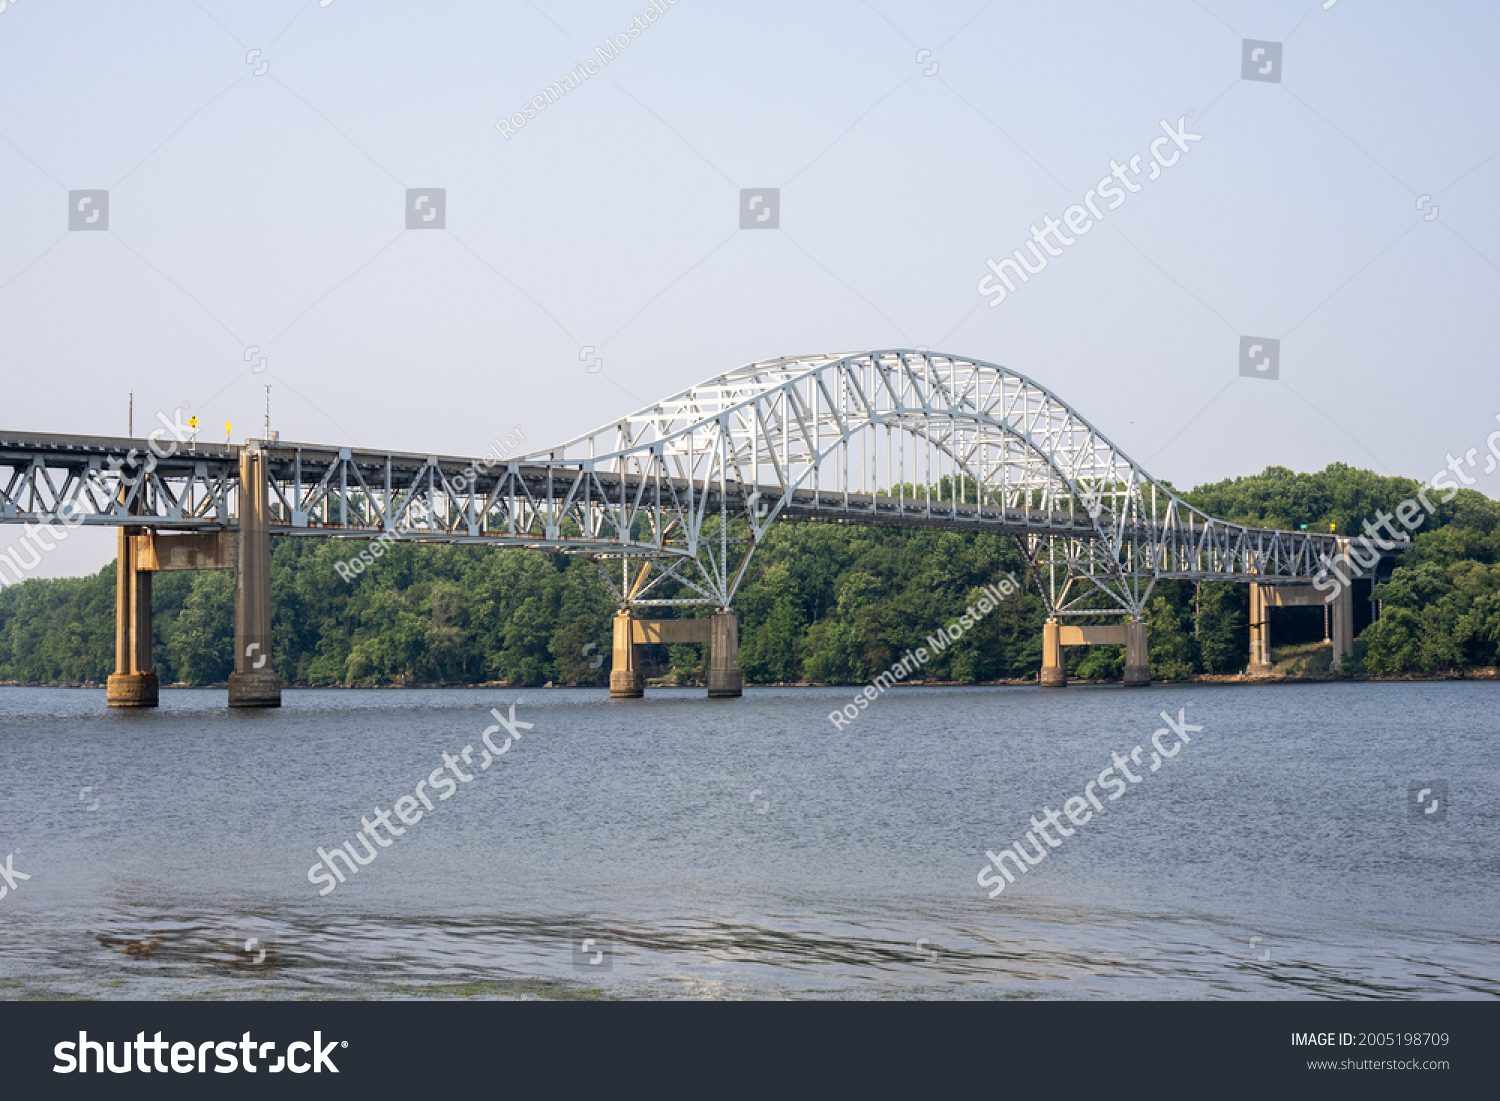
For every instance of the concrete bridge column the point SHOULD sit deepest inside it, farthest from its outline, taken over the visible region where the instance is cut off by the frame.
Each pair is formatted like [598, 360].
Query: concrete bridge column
[1137, 655]
[626, 682]
[724, 680]
[1260, 630]
[1343, 620]
[1053, 674]
[254, 682]
[132, 684]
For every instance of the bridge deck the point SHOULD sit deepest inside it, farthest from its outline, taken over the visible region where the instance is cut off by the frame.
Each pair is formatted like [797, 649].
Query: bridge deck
[326, 491]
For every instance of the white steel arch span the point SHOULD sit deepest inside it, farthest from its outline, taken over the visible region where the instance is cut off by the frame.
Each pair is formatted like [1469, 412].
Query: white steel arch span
[921, 438]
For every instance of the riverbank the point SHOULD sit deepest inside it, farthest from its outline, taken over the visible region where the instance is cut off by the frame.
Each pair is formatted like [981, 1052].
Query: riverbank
[1201, 678]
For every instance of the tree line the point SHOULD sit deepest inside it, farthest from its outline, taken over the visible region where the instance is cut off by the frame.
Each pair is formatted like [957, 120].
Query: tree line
[827, 603]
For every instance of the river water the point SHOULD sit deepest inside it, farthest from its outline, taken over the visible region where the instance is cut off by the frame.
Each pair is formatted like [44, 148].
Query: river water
[732, 849]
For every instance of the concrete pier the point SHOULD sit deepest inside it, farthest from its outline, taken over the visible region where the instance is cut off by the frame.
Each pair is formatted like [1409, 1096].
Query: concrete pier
[1343, 626]
[1264, 597]
[724, 681]
[625, 679]
[254, 682]
[1053, 674]
[133, 684]
[1137, 655]
[719, 632]
[1260, 631]
[1131, 635]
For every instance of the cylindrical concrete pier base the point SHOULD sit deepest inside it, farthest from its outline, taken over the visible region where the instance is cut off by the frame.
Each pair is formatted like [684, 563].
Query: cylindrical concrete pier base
[132, 690]
[1053, 674]
[1137, 657]
[626, 684]
[254, 690]
[725, 684]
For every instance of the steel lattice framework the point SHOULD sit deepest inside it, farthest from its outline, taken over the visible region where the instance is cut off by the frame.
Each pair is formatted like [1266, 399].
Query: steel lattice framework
[684, 491]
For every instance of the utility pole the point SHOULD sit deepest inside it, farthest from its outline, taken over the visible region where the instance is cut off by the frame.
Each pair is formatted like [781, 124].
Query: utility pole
[268, 412]
[130, 417]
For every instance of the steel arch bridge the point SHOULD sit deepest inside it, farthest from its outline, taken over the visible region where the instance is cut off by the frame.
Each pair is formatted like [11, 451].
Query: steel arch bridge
[686, 489]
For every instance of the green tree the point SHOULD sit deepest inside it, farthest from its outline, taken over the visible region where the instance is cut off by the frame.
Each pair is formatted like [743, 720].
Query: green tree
[1172, 649]
[200, 642]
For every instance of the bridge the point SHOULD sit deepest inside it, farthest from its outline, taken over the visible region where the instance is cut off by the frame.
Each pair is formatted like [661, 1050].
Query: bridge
[683, 492]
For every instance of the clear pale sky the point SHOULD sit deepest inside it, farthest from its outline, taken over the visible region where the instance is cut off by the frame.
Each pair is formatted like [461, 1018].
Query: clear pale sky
[262, 204]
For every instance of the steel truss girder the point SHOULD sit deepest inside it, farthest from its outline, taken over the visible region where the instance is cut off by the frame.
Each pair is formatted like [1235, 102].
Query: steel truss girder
[102, 481]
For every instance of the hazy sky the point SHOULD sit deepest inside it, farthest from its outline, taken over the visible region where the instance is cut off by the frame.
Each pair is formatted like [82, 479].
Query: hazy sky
[259, 200]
